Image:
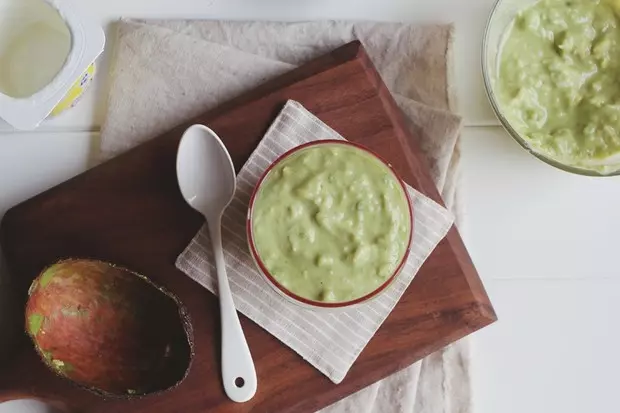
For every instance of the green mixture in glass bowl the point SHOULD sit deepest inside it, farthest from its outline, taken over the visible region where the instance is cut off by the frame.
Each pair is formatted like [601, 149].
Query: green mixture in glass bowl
[557, 81]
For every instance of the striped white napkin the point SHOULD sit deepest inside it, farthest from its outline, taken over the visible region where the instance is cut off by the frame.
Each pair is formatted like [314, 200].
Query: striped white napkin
[329, 341]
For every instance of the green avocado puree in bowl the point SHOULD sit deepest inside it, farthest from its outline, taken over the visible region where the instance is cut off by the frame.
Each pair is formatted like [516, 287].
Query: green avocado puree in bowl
[330, 223]
[559, 81]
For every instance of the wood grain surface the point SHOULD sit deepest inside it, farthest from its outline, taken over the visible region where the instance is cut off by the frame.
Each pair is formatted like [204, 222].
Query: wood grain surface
[129, 211]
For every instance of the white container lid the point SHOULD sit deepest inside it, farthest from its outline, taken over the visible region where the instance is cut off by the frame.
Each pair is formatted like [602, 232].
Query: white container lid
[87, 43]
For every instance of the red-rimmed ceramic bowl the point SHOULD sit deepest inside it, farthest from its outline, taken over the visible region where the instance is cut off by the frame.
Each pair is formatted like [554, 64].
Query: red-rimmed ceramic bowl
[291, 296]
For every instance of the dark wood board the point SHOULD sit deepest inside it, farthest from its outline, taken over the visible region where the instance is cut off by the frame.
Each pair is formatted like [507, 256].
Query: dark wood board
[129, 211]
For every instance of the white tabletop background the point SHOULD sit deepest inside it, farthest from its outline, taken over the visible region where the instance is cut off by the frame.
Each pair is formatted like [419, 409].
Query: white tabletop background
[543, 240]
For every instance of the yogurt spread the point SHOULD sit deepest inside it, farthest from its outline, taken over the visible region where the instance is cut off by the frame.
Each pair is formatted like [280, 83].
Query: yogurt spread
[558, 80]
[48, 50]
[331, 222]
[34, 44]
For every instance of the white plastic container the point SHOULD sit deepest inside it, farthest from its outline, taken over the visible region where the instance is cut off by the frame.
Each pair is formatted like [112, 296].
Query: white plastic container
[47, 55]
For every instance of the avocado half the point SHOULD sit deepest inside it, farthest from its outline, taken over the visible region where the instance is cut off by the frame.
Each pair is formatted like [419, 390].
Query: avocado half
[108, 329]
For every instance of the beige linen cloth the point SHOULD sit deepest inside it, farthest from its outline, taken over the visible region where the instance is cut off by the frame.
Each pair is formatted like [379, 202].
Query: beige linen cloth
[166, 72]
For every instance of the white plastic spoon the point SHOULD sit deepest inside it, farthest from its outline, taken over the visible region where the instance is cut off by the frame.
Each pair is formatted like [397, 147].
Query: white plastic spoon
[207, 180]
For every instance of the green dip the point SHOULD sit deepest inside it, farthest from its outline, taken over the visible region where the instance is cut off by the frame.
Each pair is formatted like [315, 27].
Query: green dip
[331, 223]
[558, 85]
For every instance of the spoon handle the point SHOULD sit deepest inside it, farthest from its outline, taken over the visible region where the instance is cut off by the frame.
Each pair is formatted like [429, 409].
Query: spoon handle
[238, 372]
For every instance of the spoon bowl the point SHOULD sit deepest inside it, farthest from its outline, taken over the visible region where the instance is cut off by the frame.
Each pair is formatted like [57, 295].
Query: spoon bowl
[206, 177]
[205, 171]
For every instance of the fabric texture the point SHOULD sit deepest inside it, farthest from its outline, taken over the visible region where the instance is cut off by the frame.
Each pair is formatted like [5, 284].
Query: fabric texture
[167, 72]
[330, 341]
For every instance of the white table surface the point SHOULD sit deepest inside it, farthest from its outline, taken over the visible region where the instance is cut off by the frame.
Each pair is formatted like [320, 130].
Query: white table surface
[541, 239]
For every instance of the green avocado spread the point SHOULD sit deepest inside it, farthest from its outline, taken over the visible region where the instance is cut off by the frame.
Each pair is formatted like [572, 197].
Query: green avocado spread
[331, 223]
[558, 85]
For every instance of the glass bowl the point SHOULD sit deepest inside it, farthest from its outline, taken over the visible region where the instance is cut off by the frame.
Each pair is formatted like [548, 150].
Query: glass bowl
[286, 293]
[502, 15]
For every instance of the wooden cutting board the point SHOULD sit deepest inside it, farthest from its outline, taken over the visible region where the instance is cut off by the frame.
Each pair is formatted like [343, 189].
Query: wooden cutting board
[129, 211]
